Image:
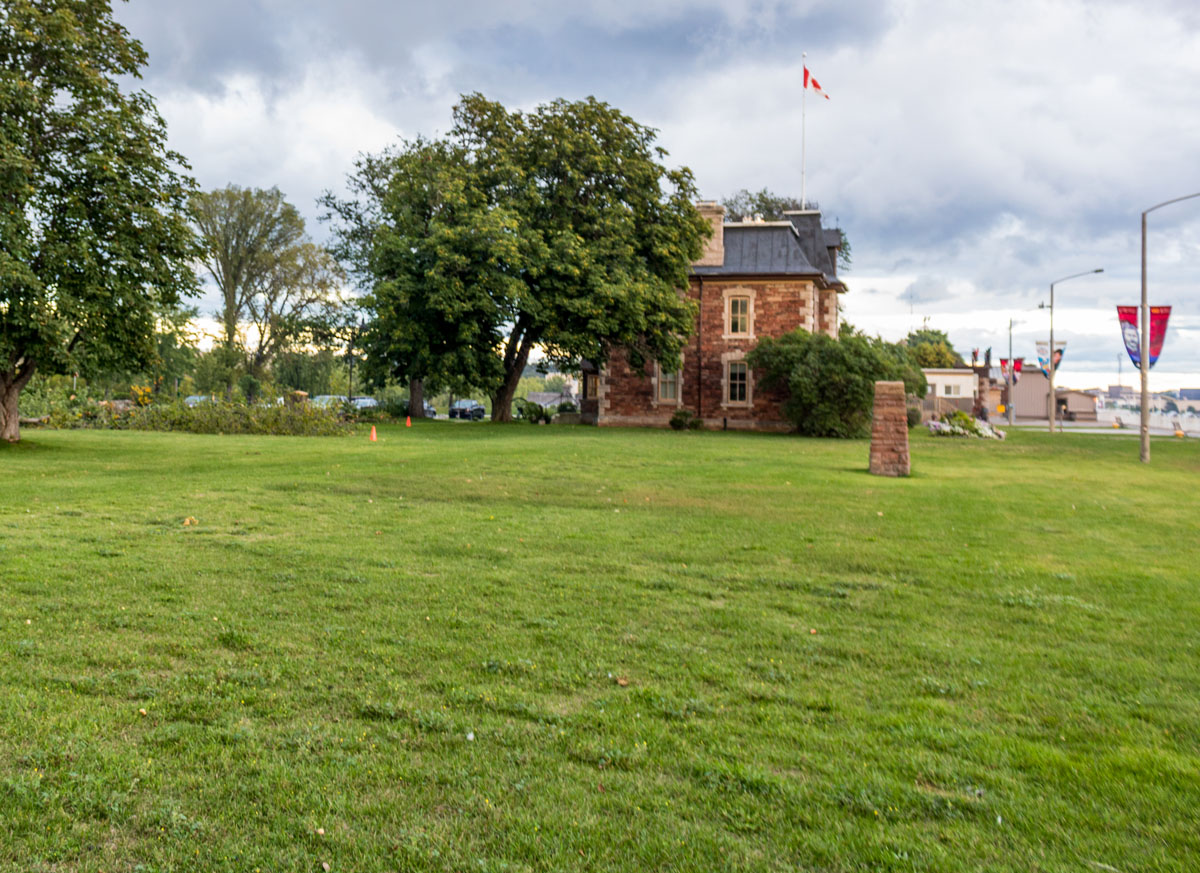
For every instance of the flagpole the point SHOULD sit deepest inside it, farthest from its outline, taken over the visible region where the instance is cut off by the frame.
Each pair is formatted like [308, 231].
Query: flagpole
[803, 131]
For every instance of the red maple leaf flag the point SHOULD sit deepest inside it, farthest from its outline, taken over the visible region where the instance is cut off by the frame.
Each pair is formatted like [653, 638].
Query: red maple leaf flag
[811, 82]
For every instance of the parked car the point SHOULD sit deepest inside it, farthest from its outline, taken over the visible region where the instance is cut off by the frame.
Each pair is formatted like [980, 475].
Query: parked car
[365, 402]
[430, 412]
[324, 401]
[467, 410]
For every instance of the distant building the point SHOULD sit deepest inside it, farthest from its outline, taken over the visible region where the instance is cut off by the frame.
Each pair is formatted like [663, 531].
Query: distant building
[548, 399]
[755, 279]
[950, 388]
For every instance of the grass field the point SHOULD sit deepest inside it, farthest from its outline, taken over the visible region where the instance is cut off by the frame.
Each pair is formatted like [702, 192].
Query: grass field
[487, 648]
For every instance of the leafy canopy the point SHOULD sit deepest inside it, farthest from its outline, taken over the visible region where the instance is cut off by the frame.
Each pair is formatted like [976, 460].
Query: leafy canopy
[271, 276]
[929, 347]
[94, 238]
[830, 383]
[558, 228]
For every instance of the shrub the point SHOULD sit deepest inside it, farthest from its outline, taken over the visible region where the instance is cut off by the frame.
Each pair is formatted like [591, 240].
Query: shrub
[958, 423]
[683, 419]
[567, 407]
[141, 395]
[532, 412]
[225, 418]
[830, 382]
[914, 416]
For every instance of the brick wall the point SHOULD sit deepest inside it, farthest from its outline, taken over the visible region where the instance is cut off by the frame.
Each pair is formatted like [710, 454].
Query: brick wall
[776, 307]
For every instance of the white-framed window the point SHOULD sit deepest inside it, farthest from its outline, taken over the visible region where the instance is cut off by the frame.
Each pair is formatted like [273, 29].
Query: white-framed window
[739, 316]
[738, 303]
[668, 387]
[737, 382]
[950, 390]
[591, 386]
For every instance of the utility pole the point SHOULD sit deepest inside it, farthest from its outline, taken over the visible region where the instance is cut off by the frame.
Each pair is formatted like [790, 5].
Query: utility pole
[1050, 366]
[1012, 375]
[1144, 353]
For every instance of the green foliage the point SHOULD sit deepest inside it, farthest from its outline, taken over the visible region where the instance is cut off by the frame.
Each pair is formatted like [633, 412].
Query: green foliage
[934, 355]
[532, 412]
[557, 227]
[929, 344]
[959, 423]
[567, 407]
[216, 418]
[422, 243]
[94, 238]
[217, 370]
[685, 419]
[312, 372]
[830, 382]
[772, 207]
[913, 414]
[271, 276]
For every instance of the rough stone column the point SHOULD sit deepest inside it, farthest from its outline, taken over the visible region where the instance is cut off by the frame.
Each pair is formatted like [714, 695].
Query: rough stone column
[889, 431]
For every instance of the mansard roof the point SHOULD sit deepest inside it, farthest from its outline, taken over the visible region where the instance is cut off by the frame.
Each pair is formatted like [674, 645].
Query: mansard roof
[797, 247]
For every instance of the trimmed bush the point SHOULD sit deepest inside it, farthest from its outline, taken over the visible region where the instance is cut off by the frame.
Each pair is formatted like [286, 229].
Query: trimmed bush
[683, 419]
[225, 418]
[532, 412]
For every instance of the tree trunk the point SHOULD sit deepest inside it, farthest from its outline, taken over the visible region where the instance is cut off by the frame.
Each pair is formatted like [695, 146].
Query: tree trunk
[416, 398]
[502, 400]
[11, 383]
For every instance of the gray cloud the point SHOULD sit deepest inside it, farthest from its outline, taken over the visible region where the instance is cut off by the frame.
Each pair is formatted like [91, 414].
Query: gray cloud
[972, 152]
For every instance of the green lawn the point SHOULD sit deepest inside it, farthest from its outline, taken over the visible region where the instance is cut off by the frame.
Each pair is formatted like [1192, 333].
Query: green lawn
[487, 648]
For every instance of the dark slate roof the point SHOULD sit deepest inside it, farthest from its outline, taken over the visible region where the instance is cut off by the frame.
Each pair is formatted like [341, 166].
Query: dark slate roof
[761, 248]
[797, 247]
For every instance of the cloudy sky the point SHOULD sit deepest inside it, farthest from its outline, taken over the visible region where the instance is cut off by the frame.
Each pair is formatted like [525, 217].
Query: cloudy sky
[973, 152]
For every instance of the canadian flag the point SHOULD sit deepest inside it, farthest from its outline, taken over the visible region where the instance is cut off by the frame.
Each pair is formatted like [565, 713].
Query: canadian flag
[811, 82]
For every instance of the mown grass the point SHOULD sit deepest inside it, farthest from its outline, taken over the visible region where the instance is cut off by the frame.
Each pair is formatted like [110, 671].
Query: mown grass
[1003, 674]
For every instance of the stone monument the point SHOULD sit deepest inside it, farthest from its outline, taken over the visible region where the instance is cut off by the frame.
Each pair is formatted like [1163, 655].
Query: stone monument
[889, 431]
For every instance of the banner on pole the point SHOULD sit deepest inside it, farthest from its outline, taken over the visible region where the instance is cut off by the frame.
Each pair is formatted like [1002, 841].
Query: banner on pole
[1043, 353]
[1011, 374]
[1127, 316]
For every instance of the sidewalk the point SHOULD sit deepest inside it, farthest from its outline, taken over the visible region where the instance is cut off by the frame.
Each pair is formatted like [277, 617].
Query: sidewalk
[1130, 429]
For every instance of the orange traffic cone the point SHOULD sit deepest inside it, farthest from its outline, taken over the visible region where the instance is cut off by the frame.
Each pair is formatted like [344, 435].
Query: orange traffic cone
[373, 438]
[408, 421]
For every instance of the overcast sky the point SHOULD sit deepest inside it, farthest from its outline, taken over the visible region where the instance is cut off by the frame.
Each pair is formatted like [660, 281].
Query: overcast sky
[972, 152]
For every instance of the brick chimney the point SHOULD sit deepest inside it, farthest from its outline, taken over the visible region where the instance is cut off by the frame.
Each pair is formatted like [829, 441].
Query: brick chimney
[714, 248]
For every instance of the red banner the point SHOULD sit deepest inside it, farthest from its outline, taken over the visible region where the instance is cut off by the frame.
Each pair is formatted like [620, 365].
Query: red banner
[1015, 376]
[1127, 316]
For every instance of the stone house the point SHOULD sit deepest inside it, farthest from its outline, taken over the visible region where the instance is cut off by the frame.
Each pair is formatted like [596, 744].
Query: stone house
[756, 278]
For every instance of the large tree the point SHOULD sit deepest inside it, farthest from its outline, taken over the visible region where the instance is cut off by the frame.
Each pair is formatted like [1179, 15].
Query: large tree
[272, 278]
[929, 347]
[557, 228]
[425, 245]
[94, 239]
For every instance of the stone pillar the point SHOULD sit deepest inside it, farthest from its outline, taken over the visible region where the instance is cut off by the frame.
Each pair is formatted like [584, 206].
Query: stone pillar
[889, 431]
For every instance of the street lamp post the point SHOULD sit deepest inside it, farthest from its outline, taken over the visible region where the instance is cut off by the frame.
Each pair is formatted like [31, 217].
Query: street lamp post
[1050, 366]
[1144, 352]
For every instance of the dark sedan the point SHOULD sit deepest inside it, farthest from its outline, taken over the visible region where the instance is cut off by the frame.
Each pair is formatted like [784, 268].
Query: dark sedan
[467, 410]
